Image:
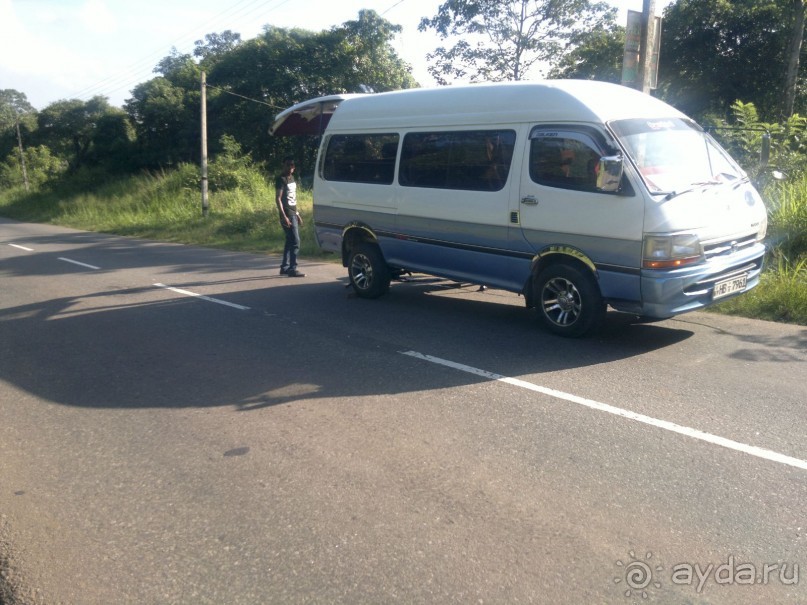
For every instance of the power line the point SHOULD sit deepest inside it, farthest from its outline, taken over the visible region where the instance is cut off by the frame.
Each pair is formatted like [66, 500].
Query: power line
[141, 69]
[391, 7]
[235, 94]
[146, 65]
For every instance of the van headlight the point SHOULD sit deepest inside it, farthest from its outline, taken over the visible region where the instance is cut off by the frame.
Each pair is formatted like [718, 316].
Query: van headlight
[763, 228]
[670, 251]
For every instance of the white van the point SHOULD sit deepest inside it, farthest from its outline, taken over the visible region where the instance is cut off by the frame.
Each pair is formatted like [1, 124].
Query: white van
[576, 194]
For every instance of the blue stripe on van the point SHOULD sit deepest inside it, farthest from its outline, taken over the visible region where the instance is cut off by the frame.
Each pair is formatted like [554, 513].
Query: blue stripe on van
[495, 255]
[401, 237]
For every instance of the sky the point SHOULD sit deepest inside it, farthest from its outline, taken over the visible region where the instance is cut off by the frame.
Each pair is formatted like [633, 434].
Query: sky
[76, 49]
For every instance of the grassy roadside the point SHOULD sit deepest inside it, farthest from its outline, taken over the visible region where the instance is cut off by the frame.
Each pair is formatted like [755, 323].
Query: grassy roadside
[168, 207]
[243, 217]
[780, 296]
[782, 292]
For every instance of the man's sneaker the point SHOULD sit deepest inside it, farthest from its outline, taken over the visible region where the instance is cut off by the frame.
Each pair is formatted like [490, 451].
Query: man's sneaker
[294, 273]
[284, 271]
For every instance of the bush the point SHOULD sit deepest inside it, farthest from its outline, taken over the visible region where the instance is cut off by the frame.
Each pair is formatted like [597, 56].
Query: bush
[232, 169]
[41, 166]
[742, 136]
[787, 218]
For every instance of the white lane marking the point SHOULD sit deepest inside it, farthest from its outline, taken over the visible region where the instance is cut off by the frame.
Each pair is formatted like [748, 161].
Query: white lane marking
[744, 448]
[75, 262]
[207, 298]
[21, 247]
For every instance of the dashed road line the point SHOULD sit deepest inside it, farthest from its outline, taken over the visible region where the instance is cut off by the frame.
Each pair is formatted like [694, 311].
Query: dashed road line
[207, 298]
[177, 290]
[75, 262]
[744, 448]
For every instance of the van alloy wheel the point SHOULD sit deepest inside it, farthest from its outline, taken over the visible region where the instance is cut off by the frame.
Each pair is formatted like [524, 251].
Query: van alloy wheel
[368, 272]
[568, 300]
[361, 272]
[561, 301]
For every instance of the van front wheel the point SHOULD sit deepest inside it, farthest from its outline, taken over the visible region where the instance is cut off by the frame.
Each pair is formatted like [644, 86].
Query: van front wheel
[568, 300]
[369, 274]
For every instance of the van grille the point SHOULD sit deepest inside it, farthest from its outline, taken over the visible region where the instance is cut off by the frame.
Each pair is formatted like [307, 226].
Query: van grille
[703, 286]
[728, 246]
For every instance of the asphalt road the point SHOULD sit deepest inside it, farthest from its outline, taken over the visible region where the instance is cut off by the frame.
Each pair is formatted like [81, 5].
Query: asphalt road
[183, 425]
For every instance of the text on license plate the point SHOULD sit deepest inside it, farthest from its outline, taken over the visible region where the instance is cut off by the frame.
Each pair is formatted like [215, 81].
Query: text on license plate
[729, 286]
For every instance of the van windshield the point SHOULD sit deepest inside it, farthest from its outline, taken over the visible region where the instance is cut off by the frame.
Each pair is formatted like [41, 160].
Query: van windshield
[674, 155]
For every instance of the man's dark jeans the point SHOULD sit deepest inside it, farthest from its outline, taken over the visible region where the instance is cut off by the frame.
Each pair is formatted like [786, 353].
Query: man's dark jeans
[292, 247]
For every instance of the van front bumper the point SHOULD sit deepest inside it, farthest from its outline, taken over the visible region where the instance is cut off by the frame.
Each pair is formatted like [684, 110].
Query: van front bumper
[670, 292]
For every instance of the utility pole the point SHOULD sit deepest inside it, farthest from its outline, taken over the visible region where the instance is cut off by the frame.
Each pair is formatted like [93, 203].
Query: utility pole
[22, 154]
[204, 145]
[792, 58]
[646, 68]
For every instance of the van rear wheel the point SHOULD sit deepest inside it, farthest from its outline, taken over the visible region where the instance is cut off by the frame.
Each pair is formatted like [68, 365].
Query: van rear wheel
[369, 274]
[568, 300]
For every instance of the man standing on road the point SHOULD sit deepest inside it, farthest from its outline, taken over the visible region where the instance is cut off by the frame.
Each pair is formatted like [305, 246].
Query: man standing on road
[290, 219]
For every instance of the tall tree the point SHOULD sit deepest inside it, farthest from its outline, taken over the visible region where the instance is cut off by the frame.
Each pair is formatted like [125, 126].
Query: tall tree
[506, 39]
[596, 55]
[366, 44]
[282, 67]
[14, 105]
[68, 127]
[113, 142]
[214, 46]
[166, 119]
[179, 69]
[792, 57]
[164, 111]
[714, 52]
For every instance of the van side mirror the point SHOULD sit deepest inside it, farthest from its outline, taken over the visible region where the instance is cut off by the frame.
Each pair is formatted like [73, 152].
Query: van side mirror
[609, 174]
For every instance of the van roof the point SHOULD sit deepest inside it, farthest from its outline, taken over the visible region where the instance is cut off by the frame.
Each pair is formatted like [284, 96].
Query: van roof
[549, 100]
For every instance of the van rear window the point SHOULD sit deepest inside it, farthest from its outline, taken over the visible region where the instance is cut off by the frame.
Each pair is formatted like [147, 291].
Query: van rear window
[473, 160]
[361, 158]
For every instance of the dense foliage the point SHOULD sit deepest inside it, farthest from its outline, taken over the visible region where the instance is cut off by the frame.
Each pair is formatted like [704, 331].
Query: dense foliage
[715, 52]
[597, 55]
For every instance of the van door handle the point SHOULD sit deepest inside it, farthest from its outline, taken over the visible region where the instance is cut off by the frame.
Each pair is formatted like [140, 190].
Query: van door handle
[529, 200]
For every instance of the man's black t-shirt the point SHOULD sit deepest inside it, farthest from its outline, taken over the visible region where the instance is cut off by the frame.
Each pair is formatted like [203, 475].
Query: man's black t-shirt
[289, 196]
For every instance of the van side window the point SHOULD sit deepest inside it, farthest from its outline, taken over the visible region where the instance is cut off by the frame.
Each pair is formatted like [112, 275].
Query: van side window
[477, 160]
[361, 158]
[564, 159]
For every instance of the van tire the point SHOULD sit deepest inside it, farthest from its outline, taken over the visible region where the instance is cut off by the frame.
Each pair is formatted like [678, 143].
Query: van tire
[368, 272]
[568, 300]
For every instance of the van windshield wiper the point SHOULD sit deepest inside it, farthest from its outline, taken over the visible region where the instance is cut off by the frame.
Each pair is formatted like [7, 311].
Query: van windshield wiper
[668, 195]
[745, 179]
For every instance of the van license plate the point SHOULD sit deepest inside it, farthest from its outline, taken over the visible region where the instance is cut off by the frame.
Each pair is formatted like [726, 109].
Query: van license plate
[729, 286]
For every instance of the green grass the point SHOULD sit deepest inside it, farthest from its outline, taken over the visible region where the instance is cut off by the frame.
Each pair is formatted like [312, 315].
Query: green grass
[782, 292]
[167, 207]
[780, 296]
